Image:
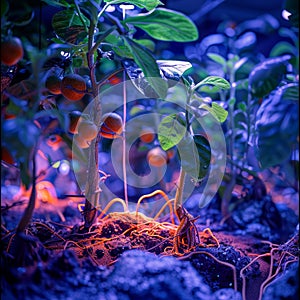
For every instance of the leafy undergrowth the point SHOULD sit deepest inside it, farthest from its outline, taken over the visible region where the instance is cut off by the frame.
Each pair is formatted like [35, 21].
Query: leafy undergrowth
[130, 256]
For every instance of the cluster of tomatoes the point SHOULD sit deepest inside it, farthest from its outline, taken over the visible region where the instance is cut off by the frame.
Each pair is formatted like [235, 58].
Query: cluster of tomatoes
[73, 87]
[85, 130]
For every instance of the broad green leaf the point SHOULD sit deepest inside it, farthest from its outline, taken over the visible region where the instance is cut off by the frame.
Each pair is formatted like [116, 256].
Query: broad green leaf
[217, 58]
[68, 26]
[209, 89]
[118, 46]
[165, 25]
[145, 60]
[91, 8]
[149, 44]
[282, 48]
[189, 156]
[204, 153]
[147, 4]
[215, 81]
[276, 129]
[216, 110]
[266, 76]
[170, 131]
[195, 153]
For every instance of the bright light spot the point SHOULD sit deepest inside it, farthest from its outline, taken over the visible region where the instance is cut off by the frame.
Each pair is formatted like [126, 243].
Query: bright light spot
[110, 8]
[285, 14]
[123, 6]
[64, 168]
[234, 84]
[64, 54]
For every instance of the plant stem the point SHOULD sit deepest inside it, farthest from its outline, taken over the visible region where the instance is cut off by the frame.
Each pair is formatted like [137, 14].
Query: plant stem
[92, 191]
[179, 192]
[124, 140]
[31, 204]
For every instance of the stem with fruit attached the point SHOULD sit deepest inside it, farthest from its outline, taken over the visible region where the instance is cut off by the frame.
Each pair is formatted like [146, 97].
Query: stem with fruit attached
[92, 191]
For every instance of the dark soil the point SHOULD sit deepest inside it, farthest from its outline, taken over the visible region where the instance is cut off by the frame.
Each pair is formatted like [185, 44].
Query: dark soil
[129, 256]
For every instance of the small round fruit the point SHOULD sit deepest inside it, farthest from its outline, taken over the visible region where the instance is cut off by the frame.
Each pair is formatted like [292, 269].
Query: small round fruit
[147, 135]
[87, 130]
[74, 118]
[73, 87]
[11, 51]
[171, 153]
[81, 142]
[53, 84]
[112, 125]
[157, 157]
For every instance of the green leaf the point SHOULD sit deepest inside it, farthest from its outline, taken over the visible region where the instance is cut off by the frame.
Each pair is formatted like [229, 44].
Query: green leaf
[217, 58]
[147, 4]
[215, 81]
[149, 44]
[276, 132]
[165, 25]
[266, 76]
[195, 153]
[189, 156]
[282, 48]
[170, 131]
[216, 110]
[68, 26]
[145, 60]
[242, 106]
[91, 8]
[208, 89]
[118, 46]
[204, 153]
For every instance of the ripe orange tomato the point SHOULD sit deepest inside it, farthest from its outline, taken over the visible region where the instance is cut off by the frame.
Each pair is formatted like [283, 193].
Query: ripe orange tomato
[73, 87]
[157, 157]
[87, 130]
[81, 142]
[11, 51]
[53, 84]
[112, 126]
[147, 135]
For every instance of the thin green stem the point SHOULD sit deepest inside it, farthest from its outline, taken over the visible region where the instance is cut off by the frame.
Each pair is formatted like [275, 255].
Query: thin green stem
[103, 9]
[92, 191]
[179, 192]
[101, 38]
[31, 204]
[80, 16]
[124, 139]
